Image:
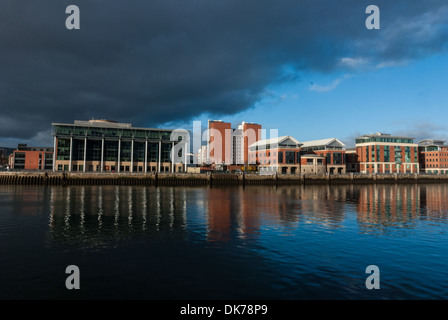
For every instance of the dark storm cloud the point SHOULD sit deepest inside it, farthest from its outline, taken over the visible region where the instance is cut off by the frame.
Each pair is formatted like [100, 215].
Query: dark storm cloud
[148, 62]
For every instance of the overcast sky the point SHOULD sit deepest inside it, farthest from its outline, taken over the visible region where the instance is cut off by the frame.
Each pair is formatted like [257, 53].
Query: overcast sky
[309, 68]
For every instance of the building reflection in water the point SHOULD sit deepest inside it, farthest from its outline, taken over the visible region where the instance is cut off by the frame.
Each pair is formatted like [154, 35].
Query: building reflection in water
[100, 215]
[434, 200]
[383, 206]
[243, 212]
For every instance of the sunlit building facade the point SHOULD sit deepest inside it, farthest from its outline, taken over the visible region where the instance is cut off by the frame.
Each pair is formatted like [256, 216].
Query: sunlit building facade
[383, 153]
[108, 146]
[433, 156]
[331, 149]
[276, 155]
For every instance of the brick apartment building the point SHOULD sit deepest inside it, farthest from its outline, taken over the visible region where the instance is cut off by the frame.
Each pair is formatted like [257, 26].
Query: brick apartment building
[32, 158]
[228, 146]
[433, 156]
[383, 153]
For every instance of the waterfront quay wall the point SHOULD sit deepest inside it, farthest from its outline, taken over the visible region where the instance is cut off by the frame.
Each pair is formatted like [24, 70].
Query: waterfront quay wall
[198, 179]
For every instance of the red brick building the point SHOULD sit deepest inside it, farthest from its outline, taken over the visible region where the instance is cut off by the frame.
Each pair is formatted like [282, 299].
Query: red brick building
[277, 155]
[433, 156]
[220, 142]
[32, 158]
[251, 134]
[229, 146]
[383, 153]
[331, 149]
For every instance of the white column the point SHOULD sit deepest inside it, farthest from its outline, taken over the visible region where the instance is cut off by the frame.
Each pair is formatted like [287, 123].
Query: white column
[172, 157]
[70, 158]
[160, 156]
[102, 154]
[132, 156]
[146, 156]
[85, 154]
[186, 157]
[119, 154]
[54, 154]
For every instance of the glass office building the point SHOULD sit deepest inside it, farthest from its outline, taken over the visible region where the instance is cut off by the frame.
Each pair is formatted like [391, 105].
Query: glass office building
[108, 146]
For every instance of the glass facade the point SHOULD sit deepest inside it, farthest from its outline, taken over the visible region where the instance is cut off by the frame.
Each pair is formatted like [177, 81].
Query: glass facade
[337, 158]
[63, 149]
[104, 143]
[289, 157]
[76, 131]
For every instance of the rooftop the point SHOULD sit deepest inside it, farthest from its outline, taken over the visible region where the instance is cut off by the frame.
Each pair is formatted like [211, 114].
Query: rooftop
[434, 142]
[277, 141]
[322, 142]
[102, 123]
[382, 135]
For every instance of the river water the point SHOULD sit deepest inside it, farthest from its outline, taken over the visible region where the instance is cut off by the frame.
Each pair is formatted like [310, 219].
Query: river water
[258, 242]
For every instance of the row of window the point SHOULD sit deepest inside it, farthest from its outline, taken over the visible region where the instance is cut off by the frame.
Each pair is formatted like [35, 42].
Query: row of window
[110, 151]
[387, 166]
[111, 132]
[393, 140]
[97, 168]
[437, 166]
[373, 154]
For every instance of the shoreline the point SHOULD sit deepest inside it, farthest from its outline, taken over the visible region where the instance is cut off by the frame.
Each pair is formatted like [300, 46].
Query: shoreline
[192, 179]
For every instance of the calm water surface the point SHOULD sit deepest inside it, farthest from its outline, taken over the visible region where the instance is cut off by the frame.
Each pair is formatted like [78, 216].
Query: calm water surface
[292, 242]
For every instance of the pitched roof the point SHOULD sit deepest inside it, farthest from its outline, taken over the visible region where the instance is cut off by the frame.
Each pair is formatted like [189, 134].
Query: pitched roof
[274, 141]
[322, 142]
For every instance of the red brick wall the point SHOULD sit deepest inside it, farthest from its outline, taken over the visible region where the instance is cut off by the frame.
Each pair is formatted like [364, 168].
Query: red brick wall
[250, 137]
[32, 159]
[218, 152]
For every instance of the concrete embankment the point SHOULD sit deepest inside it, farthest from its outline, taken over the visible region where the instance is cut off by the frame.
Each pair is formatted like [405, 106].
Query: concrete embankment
[193, 179]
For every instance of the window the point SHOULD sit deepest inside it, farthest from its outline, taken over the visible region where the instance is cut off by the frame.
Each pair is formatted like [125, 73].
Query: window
[63, 149]
[280, 157]
[386, 154]
[337, 158]
[289, 157]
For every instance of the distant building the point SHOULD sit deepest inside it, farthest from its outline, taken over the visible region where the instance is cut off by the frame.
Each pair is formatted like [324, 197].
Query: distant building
[108, 146]
[219, 142]
[203, 158]
[383, 153]
[331, 149]
[433, 156]
[228, 146]
[5, 152]
[276, 155]
[31, 158]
